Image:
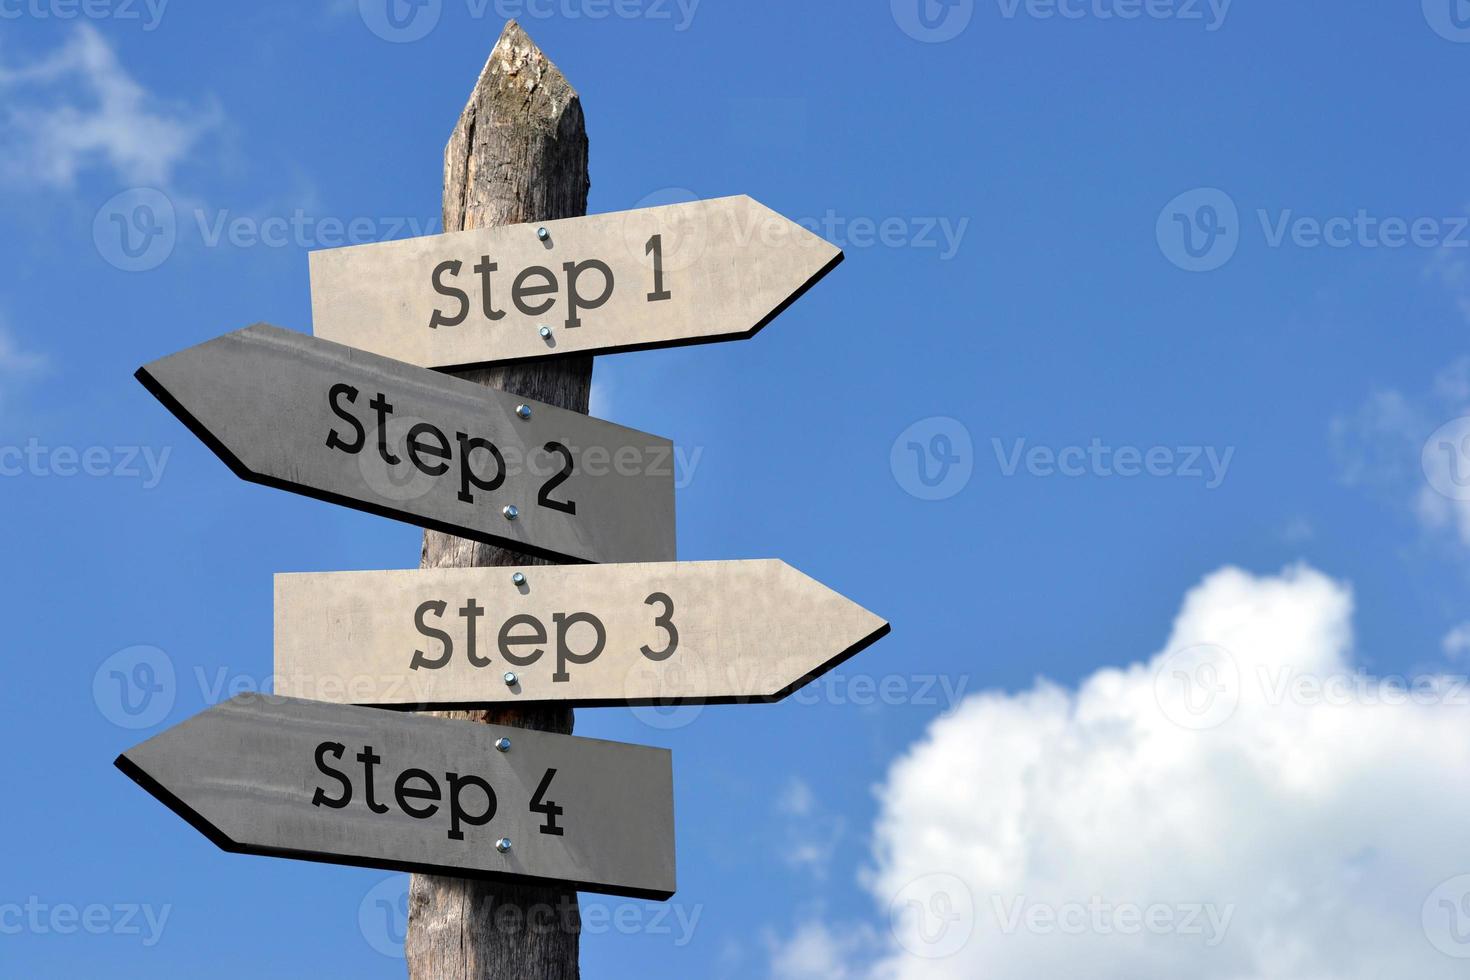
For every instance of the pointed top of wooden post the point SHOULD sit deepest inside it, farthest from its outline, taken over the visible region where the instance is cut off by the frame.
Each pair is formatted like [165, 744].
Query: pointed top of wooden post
[524, 121]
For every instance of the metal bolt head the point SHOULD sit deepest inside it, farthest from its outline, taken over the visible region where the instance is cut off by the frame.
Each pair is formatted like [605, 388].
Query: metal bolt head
[542, 234]
[503, 845]
[523, 411]
[510, 678]
[545, 333]
[518, 578]
[511, 512]
[503, 744]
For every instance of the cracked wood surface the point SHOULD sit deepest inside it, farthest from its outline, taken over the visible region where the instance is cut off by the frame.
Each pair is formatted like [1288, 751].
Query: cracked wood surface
[518, 154]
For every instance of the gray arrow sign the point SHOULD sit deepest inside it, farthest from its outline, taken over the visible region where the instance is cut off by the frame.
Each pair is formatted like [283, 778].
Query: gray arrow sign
[317, 418]
[322, 782]
[654, 277]
[657, 633]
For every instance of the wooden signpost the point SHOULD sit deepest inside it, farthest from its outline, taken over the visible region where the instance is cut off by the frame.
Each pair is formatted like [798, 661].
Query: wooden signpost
[657, 277]
[487, 813]
[670, 633]
[289, 411]
[322, 782]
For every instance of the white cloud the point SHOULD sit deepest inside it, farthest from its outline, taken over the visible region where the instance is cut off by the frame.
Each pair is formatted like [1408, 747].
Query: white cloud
[599, 399]
[1457, 642]
[1298, 530]
[1251, 809]
[1414, 450]
[13, 360]
[1453, 273]
[812, 833]
[79, 108]
[814, 953]
[16, 364]
[798, 799]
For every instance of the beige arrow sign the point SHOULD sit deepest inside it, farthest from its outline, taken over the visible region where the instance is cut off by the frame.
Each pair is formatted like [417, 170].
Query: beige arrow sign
[656, 277]
[635, 634]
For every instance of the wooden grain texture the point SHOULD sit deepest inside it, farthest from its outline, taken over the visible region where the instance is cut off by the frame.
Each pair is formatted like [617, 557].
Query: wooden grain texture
[288, 778]
[519, 153]
[661, 633]
[295, 412]
[667, 276]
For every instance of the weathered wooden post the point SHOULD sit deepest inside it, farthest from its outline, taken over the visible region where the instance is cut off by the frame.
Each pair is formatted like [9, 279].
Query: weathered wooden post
[518, 154]
[504, 904]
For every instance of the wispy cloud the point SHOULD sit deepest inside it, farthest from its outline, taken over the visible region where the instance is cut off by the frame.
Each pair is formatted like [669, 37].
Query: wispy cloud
[17, 364]
[13, 360]
[812, 834]
[1456, 642]
[78, 108]
[1413, 449]
[815, 952]
[1451, 269]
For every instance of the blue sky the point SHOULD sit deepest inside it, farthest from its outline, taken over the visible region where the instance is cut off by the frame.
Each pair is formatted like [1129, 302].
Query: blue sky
[1220, 247]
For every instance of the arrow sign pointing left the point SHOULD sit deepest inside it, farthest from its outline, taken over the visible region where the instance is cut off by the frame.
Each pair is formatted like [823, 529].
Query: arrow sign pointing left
[314, 417]
[322, 782]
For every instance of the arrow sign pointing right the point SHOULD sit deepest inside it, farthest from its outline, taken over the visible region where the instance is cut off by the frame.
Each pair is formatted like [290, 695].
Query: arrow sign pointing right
[666, 633]
[356, 429]
[382, 789]
[631, 280]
